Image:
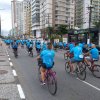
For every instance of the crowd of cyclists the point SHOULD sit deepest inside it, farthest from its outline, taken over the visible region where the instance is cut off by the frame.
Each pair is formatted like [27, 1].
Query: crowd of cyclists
[46, 52]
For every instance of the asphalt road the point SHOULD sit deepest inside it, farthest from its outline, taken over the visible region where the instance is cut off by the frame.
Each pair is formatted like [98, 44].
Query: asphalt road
[69, 87]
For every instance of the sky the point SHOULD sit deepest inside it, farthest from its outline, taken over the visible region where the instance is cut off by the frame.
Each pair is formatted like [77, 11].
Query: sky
[5, 13]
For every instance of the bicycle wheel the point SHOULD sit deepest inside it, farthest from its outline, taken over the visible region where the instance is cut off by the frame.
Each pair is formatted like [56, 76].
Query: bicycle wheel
[81, 71]
[65, 56]
[96, 71]
[39, 74]
[67, 67]
[52, 84]
[31, 54]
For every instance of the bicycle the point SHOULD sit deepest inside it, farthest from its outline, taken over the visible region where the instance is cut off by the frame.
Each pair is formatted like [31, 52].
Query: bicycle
[94, 68]
[68, 55]
[15, 53]
[80, 69]
[50, 79]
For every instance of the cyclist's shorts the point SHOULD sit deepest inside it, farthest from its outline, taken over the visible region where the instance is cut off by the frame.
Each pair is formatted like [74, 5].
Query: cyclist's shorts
[73, 60]
[30, 49]
[44, 66]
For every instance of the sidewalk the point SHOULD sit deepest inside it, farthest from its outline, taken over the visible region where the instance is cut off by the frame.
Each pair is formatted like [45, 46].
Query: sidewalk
[8, 86]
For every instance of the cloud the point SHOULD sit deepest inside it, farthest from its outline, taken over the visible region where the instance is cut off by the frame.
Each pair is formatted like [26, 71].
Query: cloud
[5, 15]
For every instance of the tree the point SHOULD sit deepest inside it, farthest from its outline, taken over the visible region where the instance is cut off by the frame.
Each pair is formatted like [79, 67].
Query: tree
[62, 29]
[50, 31]
[97, 24]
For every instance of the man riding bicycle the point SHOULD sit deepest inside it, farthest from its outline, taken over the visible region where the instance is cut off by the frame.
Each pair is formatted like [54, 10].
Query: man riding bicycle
[77, 55]
[30, 48]
[15, 46]
[47, 57]
[93, 54]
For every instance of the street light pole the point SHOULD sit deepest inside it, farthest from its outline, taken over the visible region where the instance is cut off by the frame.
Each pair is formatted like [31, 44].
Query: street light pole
[90, 15]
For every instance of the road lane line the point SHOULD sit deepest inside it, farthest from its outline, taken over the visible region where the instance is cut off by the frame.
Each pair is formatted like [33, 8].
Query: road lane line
[11, 64]
[90, 85]
[8, 55]
[20, 90]
[14, 73]
[9, 58]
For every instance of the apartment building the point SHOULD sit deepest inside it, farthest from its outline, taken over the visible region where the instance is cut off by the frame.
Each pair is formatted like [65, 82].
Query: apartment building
[21, 17]
[82, 13]
[56, 12]
[35, 15]
[27, 18]
[17, 17]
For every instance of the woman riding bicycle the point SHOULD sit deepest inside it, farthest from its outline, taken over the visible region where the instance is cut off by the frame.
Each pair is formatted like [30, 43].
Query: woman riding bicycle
[47, 57]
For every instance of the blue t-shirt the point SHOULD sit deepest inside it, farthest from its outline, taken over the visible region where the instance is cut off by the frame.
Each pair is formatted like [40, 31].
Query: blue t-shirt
[54, 44]
[81, 45]
[65, 44]
[28, 44]
[94, 53]
[60, 44]
[77, 51]
[71, 45]
[38, 45]
[44, 46]
[15, 45]
[48, 57]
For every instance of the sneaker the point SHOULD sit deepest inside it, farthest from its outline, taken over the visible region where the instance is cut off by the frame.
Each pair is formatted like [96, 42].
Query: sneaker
[43, 83]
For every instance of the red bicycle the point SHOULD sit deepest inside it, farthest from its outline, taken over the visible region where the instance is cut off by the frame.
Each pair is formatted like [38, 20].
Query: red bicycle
[68, 55]
[94, 68]
[50, 79]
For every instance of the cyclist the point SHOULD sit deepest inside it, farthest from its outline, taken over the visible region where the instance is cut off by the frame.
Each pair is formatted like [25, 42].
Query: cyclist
[30, 47]
[38, 46]
[65, 45]
[15, 46]
[78, 55]
[71, 45]
[55, 45]
[60, 45]
[93, 54]
[22, 43]
[47, 57]
[44, 46]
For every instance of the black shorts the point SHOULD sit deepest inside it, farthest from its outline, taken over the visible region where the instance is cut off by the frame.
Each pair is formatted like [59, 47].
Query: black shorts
[30, 49]
[44, 66]
[15, 49]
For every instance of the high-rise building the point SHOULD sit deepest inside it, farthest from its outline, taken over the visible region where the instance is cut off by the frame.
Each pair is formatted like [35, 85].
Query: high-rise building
[27, 17]
[82, 13]
[21, 17]
[57, 12]
[17, 17]
[35, 15]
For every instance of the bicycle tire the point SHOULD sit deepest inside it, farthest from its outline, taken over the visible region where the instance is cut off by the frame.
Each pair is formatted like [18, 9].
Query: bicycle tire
[96, 72]
[51, 81]
[81, 72]
[39, 75]
[31, 54]
[65, 57]
[67, 67]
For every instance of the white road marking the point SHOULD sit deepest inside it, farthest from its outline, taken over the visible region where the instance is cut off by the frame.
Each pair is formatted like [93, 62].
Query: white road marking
[20, 90]
[11, 64]
[14, 73]
[9, 58]
[8, 55]
[90, 85]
